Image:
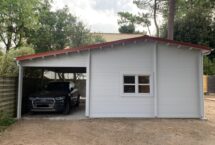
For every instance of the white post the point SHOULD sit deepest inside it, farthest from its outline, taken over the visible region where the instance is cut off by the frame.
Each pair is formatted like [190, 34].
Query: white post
[87, 111]
[201, 93]
[19, 99]
[155, 80]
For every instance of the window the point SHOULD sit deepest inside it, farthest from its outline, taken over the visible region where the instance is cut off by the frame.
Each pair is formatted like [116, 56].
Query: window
[143, 84]
[136, 84]
[129, 84]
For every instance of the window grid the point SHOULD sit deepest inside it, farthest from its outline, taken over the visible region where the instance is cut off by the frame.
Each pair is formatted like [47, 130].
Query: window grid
[137, 84]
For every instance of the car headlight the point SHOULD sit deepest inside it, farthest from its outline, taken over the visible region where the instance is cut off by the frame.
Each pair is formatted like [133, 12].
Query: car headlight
[60, 98]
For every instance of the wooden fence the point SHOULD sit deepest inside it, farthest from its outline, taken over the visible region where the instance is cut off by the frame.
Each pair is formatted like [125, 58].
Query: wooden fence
[8, 91]
[209, 84]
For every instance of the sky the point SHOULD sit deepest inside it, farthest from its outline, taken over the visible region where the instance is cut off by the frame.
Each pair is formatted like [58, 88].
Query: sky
[97, 15]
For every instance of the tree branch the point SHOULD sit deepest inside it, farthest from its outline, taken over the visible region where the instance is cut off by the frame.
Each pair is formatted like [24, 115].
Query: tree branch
[2, 38]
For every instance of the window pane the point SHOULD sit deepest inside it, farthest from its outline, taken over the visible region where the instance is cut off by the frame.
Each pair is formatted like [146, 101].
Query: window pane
[144, 89]
[129, 79]
[129, 89]
[143, 79]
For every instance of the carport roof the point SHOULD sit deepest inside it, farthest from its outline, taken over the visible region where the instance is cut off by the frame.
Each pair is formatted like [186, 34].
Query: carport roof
[204, 49]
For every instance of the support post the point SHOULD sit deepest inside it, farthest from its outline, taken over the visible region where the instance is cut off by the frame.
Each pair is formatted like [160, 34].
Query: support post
[155, 51]
[19, 99]
[201, 93]
[87, 111]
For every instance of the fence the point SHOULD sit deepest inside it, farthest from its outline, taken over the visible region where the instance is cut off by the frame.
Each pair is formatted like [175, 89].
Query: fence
[8, 91]
[209, 84]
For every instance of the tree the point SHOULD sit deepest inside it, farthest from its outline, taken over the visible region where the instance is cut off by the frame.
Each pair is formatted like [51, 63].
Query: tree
[195, 25]
[209, 66]
[8, 66]
[127, 29]
[97, 39]
[57, 30]
[15, 17]
[155, 8]
[148, 9]
[126, 22]
[171, 19]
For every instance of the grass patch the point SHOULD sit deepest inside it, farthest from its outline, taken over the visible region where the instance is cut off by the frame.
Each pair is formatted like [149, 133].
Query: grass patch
[5, 120]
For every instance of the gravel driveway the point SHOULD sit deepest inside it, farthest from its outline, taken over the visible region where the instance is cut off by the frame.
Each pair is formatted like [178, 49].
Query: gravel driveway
[114, 131]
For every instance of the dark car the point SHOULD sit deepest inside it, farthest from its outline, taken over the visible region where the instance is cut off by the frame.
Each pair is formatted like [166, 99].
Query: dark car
[57, 97]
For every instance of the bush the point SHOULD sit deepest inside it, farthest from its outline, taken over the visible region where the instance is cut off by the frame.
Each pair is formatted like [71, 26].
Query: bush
[5, 120]
[8, 66]
[209, 66]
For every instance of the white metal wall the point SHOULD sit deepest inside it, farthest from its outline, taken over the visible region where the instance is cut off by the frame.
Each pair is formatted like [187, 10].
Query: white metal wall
[178, 82]
[70, 60]
[107, 67]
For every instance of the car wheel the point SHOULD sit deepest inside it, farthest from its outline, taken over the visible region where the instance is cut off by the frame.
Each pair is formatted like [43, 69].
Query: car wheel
[67, 109]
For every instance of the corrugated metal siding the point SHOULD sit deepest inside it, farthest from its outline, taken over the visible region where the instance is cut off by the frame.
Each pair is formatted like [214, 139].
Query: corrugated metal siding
[107, 65]
[178, 92]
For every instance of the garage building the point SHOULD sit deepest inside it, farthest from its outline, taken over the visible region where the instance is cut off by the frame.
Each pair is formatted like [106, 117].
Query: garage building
[137, 77]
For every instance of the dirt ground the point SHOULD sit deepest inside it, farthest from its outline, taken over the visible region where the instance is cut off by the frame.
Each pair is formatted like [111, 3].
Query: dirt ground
[115, 131]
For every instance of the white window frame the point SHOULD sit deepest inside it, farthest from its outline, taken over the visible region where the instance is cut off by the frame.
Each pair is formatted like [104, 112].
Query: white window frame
[136, 93]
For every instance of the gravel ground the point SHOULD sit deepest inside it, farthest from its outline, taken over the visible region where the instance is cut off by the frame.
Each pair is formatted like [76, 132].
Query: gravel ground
[114, 131]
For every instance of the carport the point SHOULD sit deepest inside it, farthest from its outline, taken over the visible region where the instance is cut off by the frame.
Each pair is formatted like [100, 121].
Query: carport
[58, 62]
[134, 77]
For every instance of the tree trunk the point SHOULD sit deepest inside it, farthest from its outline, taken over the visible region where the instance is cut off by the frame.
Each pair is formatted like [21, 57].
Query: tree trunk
[19, 43]
[74, 77]
[9, 39]
[149, 30]
[155, 18]
[171, 19]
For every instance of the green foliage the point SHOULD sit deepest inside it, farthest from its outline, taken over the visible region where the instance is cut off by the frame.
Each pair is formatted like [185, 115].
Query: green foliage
[57, 30]
[8, 66]
[194, 27]
[79, 35]
[127, 29]
[6, 119]
[126, 18]
[148, 10]
[209, 66]
[15, 17]
[195, 23]
[128, 21]
[1, 53]
[97, 39]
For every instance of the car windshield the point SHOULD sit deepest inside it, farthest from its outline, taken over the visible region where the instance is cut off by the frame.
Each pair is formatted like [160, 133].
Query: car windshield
[58, 86]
